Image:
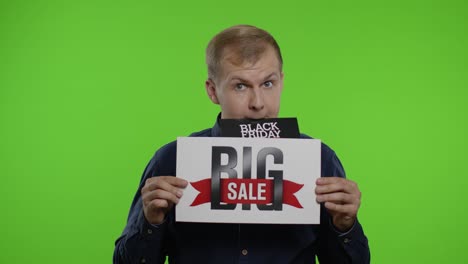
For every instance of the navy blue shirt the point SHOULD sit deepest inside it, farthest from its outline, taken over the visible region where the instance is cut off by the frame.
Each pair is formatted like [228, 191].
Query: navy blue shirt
[142, 242]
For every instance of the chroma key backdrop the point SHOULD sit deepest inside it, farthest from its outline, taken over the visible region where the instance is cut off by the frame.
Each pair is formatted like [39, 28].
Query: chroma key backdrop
[89, 90]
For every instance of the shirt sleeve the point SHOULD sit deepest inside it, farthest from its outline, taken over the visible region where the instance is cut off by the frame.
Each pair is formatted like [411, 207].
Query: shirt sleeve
[334, 246]
[140, 241]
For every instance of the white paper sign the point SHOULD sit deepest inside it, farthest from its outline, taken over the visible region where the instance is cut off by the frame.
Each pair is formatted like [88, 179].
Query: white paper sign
[248, 180]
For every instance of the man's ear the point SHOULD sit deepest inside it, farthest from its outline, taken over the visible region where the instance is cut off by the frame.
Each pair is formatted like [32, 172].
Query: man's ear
[210, 87]
[282, 80]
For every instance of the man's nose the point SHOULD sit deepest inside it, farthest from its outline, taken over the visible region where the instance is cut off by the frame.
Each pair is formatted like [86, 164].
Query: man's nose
[257, 101]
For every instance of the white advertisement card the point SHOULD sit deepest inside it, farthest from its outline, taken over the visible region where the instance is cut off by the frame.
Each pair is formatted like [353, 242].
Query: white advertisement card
[248, 180]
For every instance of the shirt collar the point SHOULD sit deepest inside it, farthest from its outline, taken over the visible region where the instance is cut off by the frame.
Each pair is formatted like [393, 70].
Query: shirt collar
[216, 130]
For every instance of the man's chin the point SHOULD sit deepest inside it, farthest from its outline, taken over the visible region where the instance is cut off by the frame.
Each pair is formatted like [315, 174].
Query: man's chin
[249, 117]
[256, 118]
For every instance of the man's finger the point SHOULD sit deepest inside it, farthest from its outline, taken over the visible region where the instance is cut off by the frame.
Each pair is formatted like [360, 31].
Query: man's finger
[174, 181]
[167, 183]
[328, 180]
[160, 194]
[345, 209]
[337, 197]
[158, 205]
[336, 185]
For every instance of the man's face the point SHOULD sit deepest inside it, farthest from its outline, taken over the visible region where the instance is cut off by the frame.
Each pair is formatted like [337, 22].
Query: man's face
[249, 90]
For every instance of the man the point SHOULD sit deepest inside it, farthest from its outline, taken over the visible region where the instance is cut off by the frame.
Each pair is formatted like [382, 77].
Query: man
[245, 78]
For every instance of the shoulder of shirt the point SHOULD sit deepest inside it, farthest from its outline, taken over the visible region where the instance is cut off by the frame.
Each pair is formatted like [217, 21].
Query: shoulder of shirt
[203, 133]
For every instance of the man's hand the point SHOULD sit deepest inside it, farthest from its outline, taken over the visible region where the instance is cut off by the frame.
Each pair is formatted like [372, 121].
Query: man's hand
[342, 198]
[159, 196]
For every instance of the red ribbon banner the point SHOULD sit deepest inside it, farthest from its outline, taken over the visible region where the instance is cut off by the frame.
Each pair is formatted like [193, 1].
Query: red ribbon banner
[246, 191]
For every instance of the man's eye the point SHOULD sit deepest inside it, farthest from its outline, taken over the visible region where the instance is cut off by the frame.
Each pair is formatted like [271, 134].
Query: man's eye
[268, 84]
[240, 86]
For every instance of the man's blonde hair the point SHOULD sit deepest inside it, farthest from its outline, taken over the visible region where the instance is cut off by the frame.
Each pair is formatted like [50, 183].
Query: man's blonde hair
[247, 42]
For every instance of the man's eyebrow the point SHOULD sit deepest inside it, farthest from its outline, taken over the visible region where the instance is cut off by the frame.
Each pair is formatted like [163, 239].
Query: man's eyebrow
[273, 74]
[234, 78]
[270, 76]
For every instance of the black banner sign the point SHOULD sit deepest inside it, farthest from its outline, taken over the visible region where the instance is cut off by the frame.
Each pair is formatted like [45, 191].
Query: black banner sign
[260, 128]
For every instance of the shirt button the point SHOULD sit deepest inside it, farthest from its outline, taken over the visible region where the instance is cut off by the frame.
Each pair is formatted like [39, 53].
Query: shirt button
[150, 231]
[346, 240]
[244, 252]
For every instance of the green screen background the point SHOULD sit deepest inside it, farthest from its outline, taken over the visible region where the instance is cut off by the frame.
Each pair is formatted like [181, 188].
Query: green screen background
[90, 89]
